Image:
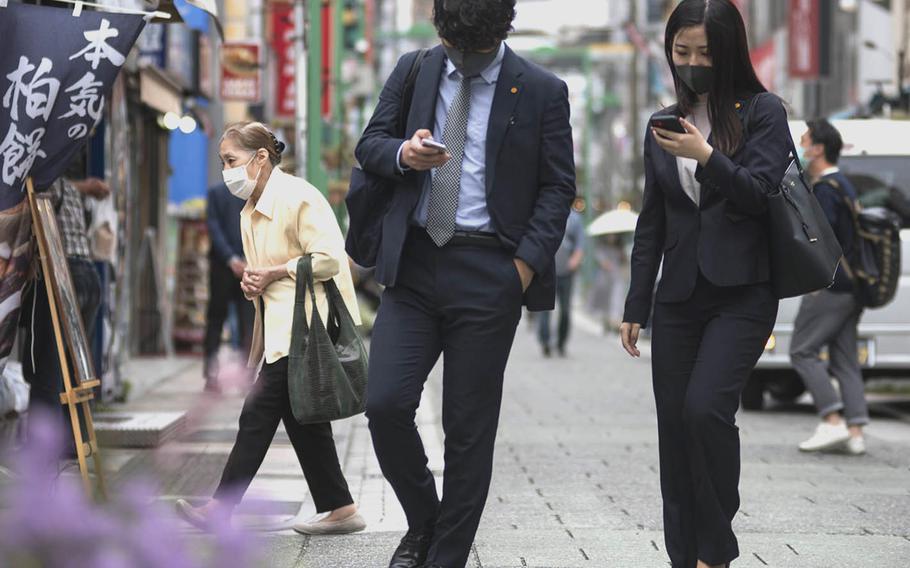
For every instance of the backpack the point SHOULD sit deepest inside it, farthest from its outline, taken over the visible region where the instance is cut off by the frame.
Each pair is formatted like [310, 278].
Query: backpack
[875, 268]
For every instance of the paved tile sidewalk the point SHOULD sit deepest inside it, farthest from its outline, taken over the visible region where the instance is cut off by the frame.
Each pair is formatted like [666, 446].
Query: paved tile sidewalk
[576, 482]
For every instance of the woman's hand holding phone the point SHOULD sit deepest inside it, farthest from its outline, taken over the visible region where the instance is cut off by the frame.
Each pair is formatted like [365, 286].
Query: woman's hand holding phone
[691, 144]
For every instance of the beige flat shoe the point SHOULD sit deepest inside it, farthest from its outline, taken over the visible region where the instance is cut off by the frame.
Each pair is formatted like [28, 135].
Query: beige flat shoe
[318, 525]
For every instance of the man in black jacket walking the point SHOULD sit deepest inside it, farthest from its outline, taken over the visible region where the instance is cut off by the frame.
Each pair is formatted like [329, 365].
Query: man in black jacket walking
[226, 265]
[830, 317]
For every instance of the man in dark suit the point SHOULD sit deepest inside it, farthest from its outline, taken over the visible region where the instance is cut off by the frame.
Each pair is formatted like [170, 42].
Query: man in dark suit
[470, 235]
[226, 265]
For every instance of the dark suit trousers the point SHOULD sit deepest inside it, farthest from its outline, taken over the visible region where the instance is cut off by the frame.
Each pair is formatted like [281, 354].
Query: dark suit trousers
[224, 290]
[464, 302]
[265, 406]
[703, 351]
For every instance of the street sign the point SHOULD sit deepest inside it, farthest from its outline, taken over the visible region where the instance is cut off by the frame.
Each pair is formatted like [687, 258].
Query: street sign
[241, 71]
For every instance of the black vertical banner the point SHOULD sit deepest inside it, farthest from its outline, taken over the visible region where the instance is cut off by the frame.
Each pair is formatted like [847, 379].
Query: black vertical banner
[55, 70]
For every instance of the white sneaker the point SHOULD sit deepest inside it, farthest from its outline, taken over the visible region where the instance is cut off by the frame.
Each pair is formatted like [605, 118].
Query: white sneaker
[856, 446]
[826, 437]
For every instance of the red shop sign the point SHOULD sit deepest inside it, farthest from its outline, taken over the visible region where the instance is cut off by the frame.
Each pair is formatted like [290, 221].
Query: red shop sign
[241, 71]
[283, 31]
[803, 35]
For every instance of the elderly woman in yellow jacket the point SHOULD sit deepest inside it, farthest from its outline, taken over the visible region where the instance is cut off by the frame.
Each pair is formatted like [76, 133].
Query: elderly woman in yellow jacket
[285, 218]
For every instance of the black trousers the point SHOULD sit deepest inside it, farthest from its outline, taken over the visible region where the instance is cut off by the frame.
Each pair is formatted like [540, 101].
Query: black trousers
[265, 406]
[564, 285]
[462, 301]
[40, 361]
[703, 351]
[224, 290]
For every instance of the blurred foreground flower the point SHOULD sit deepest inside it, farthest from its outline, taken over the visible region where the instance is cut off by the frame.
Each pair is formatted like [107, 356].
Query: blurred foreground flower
[48, 521]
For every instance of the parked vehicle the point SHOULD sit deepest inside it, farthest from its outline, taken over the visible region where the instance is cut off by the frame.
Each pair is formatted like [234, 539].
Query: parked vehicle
[876, 158]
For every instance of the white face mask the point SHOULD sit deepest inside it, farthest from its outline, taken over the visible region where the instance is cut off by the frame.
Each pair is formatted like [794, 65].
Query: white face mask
[238, 182]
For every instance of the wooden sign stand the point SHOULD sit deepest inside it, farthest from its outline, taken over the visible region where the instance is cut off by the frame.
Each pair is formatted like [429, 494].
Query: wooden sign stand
[82, 393]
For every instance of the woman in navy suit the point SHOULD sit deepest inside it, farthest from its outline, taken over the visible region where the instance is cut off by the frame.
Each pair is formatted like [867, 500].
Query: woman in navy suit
[704, 214]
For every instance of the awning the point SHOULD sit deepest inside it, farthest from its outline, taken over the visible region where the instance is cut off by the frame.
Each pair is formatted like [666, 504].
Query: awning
[159, 91]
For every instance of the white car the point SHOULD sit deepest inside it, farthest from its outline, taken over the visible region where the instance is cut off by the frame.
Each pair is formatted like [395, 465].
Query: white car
[876, 158]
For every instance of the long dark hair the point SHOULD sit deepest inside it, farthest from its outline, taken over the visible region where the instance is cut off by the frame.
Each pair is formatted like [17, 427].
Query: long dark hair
[734, 76]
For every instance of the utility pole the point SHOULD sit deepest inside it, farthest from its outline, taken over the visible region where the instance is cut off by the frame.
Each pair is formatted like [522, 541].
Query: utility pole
[634, 103]
[300, 88]
[315, 173]
[308, 114]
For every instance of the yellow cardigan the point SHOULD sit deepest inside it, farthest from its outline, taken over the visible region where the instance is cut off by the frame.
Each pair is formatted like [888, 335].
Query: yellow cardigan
[292, 219]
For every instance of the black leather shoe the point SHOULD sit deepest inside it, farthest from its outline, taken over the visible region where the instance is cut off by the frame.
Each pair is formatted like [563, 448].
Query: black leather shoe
[412, 552]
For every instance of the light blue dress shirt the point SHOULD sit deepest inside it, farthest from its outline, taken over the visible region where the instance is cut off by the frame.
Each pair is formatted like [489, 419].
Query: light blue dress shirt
[472, 214]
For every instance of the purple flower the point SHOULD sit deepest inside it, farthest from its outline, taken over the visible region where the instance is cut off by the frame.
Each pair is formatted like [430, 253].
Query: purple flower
[46, 520]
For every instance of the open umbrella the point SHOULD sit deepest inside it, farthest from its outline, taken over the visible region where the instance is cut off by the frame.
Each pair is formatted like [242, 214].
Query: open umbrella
[614, 222]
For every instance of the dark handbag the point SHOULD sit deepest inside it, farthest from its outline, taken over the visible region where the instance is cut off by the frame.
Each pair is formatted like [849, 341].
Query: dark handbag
[369, 195]
[327, 368]
[804, 249]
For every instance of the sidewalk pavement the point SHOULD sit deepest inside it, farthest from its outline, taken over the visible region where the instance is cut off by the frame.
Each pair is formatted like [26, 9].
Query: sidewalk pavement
[576, 476]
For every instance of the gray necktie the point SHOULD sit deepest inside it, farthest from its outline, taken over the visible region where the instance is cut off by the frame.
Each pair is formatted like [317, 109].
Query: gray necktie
[447, 179]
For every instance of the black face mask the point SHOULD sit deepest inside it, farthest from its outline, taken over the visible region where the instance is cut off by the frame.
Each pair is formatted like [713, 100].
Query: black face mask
[699, 78]
[470, 63]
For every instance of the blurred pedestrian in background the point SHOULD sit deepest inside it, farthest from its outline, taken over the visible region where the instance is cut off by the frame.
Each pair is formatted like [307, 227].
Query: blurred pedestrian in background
[609, 290]
[226, 266]
[284, 218]
[40, 361]
[704, 214]
[830, 317]
[469, 237]
[568, 260]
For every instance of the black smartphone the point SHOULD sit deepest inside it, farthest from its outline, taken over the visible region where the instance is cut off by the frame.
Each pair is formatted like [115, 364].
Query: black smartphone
[668, 122]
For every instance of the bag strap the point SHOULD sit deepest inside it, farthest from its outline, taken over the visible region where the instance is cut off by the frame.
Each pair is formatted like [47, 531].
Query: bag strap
[793, 153]
[304, 282]
[852, 205]
[407, 93]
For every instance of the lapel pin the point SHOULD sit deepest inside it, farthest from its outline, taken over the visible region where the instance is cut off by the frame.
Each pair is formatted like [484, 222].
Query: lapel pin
[514, 90]
[738, 105]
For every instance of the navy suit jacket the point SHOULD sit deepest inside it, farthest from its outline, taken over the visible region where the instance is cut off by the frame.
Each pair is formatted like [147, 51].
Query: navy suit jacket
[222, 215]
[530, 168]
[726, 237]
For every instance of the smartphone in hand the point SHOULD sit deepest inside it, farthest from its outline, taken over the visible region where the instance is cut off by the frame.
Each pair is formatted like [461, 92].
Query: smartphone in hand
[430, 143]
[667, 122]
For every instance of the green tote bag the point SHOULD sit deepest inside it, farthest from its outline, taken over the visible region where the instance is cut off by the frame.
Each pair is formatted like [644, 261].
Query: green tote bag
[327, 363]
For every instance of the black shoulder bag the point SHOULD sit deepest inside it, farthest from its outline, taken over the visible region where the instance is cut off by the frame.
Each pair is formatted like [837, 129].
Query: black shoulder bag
[369, 196]
[803, 248]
